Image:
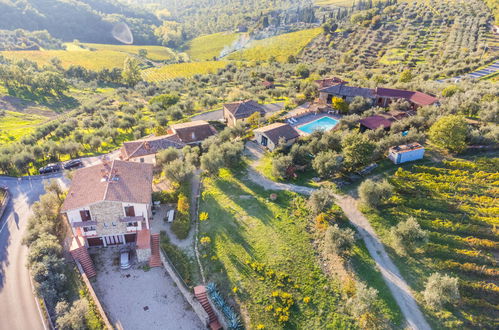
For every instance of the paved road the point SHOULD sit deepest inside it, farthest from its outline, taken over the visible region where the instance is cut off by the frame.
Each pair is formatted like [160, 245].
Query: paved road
[391, 275]
[18, 307]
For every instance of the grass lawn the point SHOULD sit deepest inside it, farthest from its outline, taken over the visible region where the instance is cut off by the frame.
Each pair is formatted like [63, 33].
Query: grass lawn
[155, 53]
[207, 47]
[14, 125]
[456, 203]
[280, 47]
[262, 249]
[92, 60]
[185, 70]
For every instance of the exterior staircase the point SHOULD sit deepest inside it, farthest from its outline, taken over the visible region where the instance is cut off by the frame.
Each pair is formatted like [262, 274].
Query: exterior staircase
[202, 296]
[81, 255]
[155, 260]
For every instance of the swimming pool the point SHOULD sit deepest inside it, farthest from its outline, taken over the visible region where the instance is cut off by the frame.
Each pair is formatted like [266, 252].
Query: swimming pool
[323, 124]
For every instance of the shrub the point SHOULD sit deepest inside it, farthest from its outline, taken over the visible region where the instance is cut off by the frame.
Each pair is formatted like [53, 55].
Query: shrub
[441, 289]
[182, 223]
[180, 260]
[177, 170]
[74, 317]
[373, 193]
[203, 216]
[408, 235]
[339, 241]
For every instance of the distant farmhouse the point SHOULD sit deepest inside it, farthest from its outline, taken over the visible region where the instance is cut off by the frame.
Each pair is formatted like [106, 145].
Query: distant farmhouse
[145, 150]
[238, 112]
[378, 96]
[270, 136]
[192, 132]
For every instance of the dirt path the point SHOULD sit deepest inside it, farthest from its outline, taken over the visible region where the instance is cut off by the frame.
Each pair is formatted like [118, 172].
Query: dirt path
[391, 275]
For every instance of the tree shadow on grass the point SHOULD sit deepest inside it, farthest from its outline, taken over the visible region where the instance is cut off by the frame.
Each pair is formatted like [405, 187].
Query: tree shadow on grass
[57, 103]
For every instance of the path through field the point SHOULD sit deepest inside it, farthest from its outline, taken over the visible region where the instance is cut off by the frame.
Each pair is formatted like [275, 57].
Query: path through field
[391, 275]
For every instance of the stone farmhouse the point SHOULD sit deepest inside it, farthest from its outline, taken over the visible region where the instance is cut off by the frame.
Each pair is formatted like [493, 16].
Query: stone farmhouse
[145, 150]
[193, 132]
[110, 204]
[238, 112]
[378, 96]
[270, 136]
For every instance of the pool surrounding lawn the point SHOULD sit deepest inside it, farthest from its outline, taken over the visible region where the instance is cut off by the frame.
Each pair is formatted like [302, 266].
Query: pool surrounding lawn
[323, 124]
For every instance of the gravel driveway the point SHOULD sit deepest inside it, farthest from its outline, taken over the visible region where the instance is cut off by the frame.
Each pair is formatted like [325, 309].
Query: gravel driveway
[137, 299]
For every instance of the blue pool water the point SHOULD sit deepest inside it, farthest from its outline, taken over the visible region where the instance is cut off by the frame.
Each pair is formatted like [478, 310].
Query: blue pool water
[324, 124]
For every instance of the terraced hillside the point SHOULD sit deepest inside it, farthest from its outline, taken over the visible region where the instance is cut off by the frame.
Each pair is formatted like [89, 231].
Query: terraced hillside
[428, 36]
[456, 203]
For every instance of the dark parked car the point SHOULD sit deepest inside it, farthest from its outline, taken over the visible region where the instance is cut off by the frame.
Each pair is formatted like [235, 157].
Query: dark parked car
[50, 168]
[72, 164]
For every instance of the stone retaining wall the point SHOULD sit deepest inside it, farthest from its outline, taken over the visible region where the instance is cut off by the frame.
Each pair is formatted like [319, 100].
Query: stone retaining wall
[189, 296]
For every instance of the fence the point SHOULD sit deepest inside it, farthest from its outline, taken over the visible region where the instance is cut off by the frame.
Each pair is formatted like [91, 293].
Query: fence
[184, 289]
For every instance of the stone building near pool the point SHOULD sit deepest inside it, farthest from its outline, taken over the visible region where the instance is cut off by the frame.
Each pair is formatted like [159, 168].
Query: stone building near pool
[238, 112]
[110, 204]
[272, 135]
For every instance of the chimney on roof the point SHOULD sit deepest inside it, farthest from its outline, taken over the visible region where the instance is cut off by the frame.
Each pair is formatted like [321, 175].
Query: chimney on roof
[147, 146]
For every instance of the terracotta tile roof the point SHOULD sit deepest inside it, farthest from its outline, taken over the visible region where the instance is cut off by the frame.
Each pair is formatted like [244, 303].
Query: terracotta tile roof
[143, 239]
[326, 82]
[414, 97]
[118, 180]
[344, 90]
[150, 146]
[194, 131]
[374, 122]
[277, 130]
[244, 109]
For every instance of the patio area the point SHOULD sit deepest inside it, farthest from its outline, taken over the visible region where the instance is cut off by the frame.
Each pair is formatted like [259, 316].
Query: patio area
[160, 223]
[139, 298]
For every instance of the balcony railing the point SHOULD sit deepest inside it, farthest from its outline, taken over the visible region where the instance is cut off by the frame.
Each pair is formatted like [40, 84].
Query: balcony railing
[84, 224]
[89, 233]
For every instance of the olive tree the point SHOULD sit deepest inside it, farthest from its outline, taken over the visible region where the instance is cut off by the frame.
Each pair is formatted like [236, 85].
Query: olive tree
[441, 289]
[449, 132]
[339, 241]
[408, 235]
[374, 193]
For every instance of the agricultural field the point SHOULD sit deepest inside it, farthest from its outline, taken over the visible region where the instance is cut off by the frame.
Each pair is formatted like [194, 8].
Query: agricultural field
[280, 47]
[456, 203]
[182, 70]
[208, 47]
[154, 53]
[258, 251]
[14, 125]
[91, 60]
